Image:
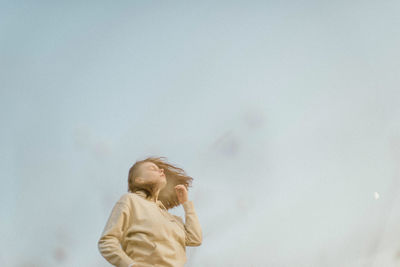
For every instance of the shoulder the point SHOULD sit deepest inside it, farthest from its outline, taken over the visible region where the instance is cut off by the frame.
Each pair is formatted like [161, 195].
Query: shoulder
[127, 198]
[178, 218]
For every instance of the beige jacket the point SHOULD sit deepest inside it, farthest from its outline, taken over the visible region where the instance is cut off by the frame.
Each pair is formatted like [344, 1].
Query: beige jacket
[140, 232]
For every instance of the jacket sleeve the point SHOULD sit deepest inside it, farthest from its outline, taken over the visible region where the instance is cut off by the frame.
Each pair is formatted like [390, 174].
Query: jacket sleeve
[109, 243]
[193, 230]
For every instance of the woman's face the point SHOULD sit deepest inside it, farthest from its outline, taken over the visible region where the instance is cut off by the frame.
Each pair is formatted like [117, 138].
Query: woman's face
[150, 173]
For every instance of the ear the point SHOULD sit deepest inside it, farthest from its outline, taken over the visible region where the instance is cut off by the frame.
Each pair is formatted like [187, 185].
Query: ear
[139, 180]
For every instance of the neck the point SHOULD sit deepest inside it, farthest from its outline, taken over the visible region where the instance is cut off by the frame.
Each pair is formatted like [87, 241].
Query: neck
[154, 196]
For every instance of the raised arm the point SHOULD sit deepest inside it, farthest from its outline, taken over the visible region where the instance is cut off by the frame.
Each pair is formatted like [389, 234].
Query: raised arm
[194, 235]
[193, 231]
[109, 243]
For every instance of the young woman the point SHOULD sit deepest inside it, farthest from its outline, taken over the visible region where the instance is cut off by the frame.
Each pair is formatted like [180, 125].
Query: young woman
[140, 232]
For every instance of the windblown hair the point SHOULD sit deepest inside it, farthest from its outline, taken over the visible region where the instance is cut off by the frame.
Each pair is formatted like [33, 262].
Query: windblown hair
[174, 175]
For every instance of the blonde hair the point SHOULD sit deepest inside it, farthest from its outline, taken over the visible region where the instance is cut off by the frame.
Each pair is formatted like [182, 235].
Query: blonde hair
[174, 174]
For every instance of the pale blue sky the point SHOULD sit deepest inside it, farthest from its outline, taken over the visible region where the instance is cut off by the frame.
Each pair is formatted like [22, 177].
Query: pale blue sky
[285, 113]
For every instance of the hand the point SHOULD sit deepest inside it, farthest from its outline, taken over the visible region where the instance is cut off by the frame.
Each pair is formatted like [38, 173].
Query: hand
[182, 193]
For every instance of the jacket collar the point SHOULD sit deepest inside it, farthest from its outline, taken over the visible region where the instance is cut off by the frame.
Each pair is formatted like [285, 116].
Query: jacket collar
[143, 195]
